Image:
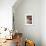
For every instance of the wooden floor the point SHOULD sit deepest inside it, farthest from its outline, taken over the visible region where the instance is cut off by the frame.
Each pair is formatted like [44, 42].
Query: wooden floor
[9, 43]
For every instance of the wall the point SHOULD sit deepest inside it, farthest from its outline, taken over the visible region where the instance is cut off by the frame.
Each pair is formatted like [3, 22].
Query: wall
[6, 13]
[29, 31]
[43, 22]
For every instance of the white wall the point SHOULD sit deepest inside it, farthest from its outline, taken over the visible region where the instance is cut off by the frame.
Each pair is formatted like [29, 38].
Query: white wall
[6, 13]
[43, 22]
[30, 31]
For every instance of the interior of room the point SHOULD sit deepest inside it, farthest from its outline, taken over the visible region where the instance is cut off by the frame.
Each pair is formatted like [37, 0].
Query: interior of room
[23, 23]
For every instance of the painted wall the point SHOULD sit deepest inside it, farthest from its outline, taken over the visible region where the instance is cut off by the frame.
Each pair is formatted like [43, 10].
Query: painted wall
[43, 22]
[29, 31]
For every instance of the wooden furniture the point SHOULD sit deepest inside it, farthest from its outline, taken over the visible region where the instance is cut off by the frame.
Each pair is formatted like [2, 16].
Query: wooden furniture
[29, 43]
[18, 39]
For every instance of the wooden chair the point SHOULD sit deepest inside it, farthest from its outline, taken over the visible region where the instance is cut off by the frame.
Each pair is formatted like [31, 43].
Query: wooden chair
[29, 43]
[18, 39]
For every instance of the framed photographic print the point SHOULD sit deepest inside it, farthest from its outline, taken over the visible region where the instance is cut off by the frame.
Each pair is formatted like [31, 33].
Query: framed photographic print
[28, 19]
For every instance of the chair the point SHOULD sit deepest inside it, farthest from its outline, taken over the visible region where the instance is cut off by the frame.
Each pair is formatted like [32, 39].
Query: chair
[29, 43]
[18, 39]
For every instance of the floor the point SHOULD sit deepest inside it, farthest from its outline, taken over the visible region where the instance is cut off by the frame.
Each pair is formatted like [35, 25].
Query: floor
[9, 43]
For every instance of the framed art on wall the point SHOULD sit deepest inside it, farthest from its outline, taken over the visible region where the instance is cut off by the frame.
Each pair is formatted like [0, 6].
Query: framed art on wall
[28, 19]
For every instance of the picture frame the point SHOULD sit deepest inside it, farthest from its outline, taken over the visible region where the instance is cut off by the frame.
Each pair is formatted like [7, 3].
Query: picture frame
[28, 19]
